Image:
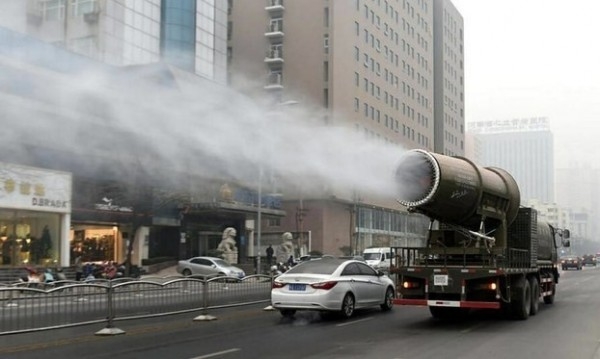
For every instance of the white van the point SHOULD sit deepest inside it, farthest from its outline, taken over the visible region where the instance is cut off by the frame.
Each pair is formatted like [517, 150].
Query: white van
[378, 257]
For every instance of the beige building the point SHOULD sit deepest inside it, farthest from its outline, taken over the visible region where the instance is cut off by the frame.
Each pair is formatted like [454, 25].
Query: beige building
[448, 43]
[370, 66]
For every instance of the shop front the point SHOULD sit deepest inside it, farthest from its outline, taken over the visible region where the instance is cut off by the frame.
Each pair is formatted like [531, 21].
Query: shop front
[205, 224]
[105, 215]
[35, 209]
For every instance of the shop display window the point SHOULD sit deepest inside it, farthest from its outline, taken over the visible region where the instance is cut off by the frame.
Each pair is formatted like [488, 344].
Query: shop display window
[93, 245]
[29, 238]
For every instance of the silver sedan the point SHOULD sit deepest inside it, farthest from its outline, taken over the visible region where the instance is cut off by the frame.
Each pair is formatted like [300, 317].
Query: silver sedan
[208, 266]
[331, 284]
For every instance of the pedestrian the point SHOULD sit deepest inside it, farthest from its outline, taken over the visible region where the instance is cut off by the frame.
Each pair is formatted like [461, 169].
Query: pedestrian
[269, 255]
[78, 268]
[290, 261]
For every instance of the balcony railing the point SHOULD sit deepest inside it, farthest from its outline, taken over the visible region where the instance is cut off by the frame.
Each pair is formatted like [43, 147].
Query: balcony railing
[274, 29]
[274, 55]
[274, 6]
[274, 81]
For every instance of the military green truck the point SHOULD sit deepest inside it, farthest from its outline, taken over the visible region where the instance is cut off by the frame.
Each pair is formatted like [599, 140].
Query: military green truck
[483, 250]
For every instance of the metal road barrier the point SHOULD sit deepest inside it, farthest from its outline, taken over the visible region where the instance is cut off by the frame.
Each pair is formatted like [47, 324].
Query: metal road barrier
[28, 307]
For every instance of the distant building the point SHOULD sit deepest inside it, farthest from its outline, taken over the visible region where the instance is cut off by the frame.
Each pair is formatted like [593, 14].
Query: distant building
[523, 147]
[578, 188]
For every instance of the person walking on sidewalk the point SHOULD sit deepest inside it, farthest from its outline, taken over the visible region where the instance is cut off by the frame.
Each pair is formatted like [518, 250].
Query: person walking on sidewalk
[269, 255]
[78, 268]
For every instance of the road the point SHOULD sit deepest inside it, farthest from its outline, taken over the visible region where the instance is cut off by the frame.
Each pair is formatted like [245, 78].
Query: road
[570, 328]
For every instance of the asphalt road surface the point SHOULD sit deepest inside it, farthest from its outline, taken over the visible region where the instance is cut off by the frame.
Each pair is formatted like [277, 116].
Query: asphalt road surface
[570, 328]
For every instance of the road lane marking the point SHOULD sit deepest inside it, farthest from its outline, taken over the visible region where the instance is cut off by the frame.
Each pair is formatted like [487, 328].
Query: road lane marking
[353, 322]
[216, 354]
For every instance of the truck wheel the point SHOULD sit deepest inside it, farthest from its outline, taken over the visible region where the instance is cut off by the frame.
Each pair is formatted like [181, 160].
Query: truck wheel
[521, 299]
[535, 295]
[549, 299]
[446, 313]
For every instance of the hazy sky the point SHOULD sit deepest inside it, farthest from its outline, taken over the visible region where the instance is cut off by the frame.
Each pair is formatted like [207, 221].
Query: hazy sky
[536, 58]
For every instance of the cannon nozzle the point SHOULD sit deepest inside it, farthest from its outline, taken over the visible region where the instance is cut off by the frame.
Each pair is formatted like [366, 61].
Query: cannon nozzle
[454, 190]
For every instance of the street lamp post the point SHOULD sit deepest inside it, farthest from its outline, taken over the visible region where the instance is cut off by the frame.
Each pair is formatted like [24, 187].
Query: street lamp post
[259, 210]
[259, 220]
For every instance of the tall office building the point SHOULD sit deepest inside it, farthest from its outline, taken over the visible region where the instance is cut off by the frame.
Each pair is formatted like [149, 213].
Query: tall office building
[371, 66]
[523, 147]
[448, 80]
[190, 34]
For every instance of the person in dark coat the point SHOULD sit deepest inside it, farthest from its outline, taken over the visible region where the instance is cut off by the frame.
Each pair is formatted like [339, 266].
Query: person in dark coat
[269, 255]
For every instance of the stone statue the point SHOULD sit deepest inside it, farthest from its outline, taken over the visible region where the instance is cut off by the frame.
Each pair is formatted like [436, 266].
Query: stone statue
[227, 244]
[286, 248]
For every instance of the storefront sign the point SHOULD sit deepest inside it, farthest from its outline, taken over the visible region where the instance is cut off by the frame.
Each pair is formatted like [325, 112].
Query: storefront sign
[30, 188]
[109, 206]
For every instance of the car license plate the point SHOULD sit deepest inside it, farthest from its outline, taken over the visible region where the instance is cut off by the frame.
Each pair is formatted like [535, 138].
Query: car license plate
[440, 279]
[297, 287]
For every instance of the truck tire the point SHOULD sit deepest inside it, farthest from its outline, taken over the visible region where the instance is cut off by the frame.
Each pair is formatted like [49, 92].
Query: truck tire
[521, 299]
[549, 299]
[449, 313]
[535, 295]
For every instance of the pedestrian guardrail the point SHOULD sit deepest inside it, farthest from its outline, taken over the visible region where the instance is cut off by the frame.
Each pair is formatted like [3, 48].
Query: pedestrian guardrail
[27, 307]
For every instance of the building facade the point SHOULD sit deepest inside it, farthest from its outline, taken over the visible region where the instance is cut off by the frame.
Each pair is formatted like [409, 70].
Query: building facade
[365, 65]
[108, 208]
[448, 79]
[190, 34]
[523, 147]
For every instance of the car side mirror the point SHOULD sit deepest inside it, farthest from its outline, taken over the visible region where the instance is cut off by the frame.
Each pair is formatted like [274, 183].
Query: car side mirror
[566, 243]
[380, 273]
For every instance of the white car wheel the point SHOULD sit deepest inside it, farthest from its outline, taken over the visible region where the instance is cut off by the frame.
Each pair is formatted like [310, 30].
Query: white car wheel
[348, 306]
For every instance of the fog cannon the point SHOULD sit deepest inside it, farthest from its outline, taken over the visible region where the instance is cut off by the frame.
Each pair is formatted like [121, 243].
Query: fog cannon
[455, 191]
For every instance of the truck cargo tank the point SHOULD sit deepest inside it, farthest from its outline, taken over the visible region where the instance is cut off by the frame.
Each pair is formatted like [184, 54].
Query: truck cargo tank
[454, 190]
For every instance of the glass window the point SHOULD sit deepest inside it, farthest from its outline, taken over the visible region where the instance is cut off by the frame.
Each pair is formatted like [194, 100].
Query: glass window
[29, 238]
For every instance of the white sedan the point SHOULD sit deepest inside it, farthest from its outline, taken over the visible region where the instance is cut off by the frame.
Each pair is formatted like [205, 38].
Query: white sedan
[208, 266]
[331, 284]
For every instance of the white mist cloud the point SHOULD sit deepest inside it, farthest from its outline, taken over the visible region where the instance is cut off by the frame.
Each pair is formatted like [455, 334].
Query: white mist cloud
[187, 125]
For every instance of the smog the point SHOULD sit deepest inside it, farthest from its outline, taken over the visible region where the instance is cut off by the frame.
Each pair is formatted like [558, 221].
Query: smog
[171, 123]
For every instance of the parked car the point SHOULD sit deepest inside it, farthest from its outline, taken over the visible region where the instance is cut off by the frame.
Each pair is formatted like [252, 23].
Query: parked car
[589, 259]
[571, 262]
[208, 266]
[331, 285]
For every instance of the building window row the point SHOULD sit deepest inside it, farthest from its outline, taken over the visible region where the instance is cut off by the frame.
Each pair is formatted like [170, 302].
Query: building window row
[369, 62]
[409, 92]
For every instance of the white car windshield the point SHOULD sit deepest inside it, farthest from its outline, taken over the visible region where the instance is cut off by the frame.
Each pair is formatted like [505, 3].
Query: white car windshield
[372, 256]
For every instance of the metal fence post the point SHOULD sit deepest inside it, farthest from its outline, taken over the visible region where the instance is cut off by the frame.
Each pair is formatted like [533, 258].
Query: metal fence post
[270, 306]
[205, 316]
[110, 329]
[10, 302]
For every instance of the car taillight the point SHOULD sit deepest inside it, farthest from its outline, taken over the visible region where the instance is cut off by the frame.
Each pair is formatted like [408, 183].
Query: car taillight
[324, 285]
[278, 285]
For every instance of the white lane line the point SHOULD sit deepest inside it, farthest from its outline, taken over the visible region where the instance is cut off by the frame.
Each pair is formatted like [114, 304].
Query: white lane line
[354, 322]
[212, 355]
